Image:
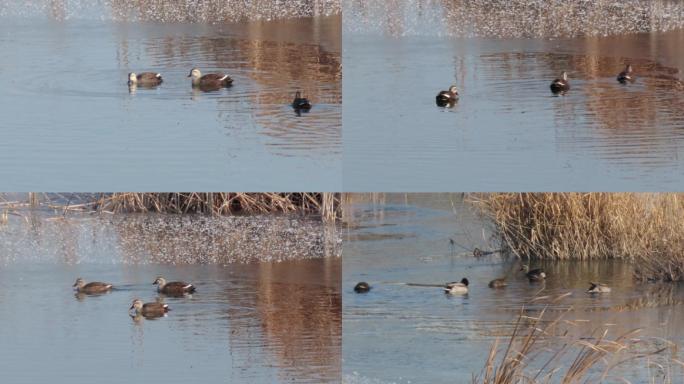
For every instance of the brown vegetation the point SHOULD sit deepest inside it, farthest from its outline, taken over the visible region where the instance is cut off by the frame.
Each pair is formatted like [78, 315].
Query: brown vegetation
[538, 346]
[646, 229]
[217, 203]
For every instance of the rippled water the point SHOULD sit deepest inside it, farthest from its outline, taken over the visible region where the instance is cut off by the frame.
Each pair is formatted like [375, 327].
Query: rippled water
[69, 107]
[406, 334]
[507, 131]
[230, 330]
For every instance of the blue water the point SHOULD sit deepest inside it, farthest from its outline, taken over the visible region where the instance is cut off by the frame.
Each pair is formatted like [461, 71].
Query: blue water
[71, 124]
[508, 132]
[398, 333]
[231, 330]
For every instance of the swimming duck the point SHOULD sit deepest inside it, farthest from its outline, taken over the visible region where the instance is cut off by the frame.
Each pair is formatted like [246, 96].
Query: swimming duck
[498, 283]
[145, 79]
[91, 288]
[301, 103]
[457, 288]
[560, 84]
[447, 98]
[626, 75]
[209, 81]
[598, 288]
[174, 287]
[155, 309]
[362, 287]
[537, 274]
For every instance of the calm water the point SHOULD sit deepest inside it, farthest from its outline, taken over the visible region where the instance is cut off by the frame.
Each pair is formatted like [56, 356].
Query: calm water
[406, 334]
[230, 330]
[71, 122]
[508, 132]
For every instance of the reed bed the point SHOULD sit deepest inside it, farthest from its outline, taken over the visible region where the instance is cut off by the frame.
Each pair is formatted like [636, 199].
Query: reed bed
[644, 228]
[214, 203]
[539, 347]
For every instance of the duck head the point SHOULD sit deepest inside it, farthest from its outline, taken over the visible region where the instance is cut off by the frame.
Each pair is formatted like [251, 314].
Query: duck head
[465, 281]
[564, 76]
[132, 78]
[195, 74]
[79, 283]
[453, 90]
[160, 281]
[137, 305]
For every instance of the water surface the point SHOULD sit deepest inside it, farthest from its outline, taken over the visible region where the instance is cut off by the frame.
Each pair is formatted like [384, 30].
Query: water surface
[406, 334]
[230, 330]
[508, 132]
[73, 124]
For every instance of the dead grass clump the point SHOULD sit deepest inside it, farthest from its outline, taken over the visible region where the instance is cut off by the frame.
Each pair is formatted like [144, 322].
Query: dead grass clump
[221, 203]
[542, 351]
[646, 228]
[216, 203]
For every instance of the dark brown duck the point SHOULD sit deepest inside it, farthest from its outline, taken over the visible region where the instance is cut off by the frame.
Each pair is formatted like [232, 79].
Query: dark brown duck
[301, 103]
[210, 80]
[362, 287]
[155, 309]
[174, 287]
[447, 98]
[91, 288]
[626, 76]
[560, 84]
[145, 79]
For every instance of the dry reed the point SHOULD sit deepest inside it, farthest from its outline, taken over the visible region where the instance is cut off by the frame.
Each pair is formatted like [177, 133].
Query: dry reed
[644, 228]
[215, 203]
[536, 350]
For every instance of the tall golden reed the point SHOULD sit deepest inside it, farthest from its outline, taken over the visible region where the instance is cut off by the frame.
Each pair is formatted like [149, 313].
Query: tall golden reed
[644, 228]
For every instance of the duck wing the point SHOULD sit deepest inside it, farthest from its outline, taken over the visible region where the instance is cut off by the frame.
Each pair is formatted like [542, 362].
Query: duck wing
[149, 76]
[155, 307]
[97, 284]
[216, 77]
[179, 286]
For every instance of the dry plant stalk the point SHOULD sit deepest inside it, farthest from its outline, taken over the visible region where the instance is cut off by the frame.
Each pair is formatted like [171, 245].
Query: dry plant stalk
[222, 203]
[216, 203]
[645, 228]
[541, 343]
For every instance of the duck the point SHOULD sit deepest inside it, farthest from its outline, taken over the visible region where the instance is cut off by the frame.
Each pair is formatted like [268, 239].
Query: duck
[536, 274]
[626, 76]
[210, 80]
[174, 287]
[155, 309]
[362, 287]
[560, 84]
[498, 283]
[301, 103]
[91, 288]
[595, 287]
[457, 287]
[145, 79]
[447, 98]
